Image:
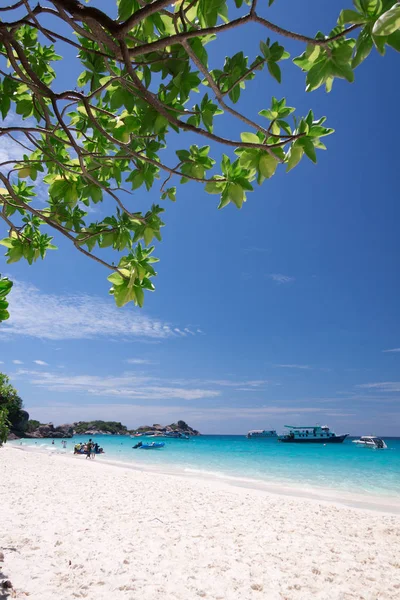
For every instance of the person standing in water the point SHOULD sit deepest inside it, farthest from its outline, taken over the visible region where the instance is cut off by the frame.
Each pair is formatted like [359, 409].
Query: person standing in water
[89, 448]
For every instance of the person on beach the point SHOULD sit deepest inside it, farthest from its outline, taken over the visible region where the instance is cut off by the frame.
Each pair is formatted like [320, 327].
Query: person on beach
[88, 448]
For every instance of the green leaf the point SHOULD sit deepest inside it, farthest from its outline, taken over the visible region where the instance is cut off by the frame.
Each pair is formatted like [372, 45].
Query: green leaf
[139, 295]
[370, 8]
[318, 74]
[343, 71]
[275, 71]
[236, 194]
[363, 47]
[350, 16]
[308, 148]
[225, 199]
[148, 235]
[250, 138]
[95, 192]
[394, 40]
[214, 187]
[267, 165]
[295, 155]
[7, 242]
[389, 22]
[123, 294]
[115, 278]
[380, 43]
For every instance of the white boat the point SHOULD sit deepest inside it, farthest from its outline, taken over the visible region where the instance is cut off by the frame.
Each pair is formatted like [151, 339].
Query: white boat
[261, 433]
[317, 434]
[370, 441]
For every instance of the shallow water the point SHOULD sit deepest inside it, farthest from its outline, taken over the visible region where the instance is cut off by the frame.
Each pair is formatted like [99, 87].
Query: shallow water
[344, 467]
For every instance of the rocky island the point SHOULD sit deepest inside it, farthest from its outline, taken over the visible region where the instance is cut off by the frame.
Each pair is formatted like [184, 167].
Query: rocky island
[35, 429]
[160, 430]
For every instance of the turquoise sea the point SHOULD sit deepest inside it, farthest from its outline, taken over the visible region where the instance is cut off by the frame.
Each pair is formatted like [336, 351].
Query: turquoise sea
[342, 467]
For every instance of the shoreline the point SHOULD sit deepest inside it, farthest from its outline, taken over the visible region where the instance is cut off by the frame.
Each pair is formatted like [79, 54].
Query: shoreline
[79, 529]
[385, 504]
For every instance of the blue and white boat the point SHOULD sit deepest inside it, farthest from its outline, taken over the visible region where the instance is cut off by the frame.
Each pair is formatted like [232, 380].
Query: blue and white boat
[370, 441]
[151, 446]
[317, 434]
[261, 433]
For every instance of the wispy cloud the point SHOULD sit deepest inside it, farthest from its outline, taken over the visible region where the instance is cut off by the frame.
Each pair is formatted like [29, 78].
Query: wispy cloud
[392, 350]
[308, 367]
[55, 317]
[10, 149]
[255, 383]
[18, 362]
[127, 385]
[41, 363]
[383, 386]
[140, 361]
[280, 278]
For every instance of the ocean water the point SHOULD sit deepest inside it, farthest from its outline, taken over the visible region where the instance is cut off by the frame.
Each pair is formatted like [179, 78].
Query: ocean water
[343, 467]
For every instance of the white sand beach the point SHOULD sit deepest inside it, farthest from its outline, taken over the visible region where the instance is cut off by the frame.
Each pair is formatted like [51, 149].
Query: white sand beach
[72, 528]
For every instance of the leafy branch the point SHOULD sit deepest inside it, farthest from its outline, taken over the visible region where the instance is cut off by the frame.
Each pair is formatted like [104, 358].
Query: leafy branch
[82, 144]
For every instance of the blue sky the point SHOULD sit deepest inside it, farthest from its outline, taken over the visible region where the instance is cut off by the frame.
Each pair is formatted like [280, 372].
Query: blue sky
[286, 311]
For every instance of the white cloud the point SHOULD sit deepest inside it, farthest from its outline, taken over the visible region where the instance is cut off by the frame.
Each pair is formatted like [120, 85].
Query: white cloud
[1, 362]
[140, 361]
[41, 363]
[9, 150]
[384, 386]
[279, 278]
[293, 366]
[18, 362]
[392, 350]
[226, 382]
[79, 316]
[127, 385]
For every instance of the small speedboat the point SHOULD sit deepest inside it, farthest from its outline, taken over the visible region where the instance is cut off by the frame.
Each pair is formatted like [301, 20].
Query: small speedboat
[370, 441]
[152, 446]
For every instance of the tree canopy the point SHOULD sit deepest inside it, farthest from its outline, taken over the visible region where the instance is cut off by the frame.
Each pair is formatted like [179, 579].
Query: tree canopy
[10, 407]
[145, 76]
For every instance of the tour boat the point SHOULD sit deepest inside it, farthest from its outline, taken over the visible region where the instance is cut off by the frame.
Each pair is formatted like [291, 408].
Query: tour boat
[261, 433]
[370, 441]
[316, 434]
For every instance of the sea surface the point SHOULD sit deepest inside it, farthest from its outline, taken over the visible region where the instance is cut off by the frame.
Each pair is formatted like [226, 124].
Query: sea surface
[342, 467]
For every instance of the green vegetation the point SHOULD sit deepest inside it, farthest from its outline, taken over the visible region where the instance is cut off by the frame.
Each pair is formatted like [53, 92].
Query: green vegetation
[12, 417]
[4, 425]
[5, 288]
[32, 425]
[145, 75]
[104, 426]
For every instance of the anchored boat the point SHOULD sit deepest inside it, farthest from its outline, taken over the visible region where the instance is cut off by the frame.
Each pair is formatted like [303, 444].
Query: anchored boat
[151, 446]
[316, 434]
[370, 441]
[261, 433]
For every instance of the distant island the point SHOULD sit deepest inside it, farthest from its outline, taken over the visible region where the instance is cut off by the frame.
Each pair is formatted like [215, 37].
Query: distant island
[35, 429]
[156, 429]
